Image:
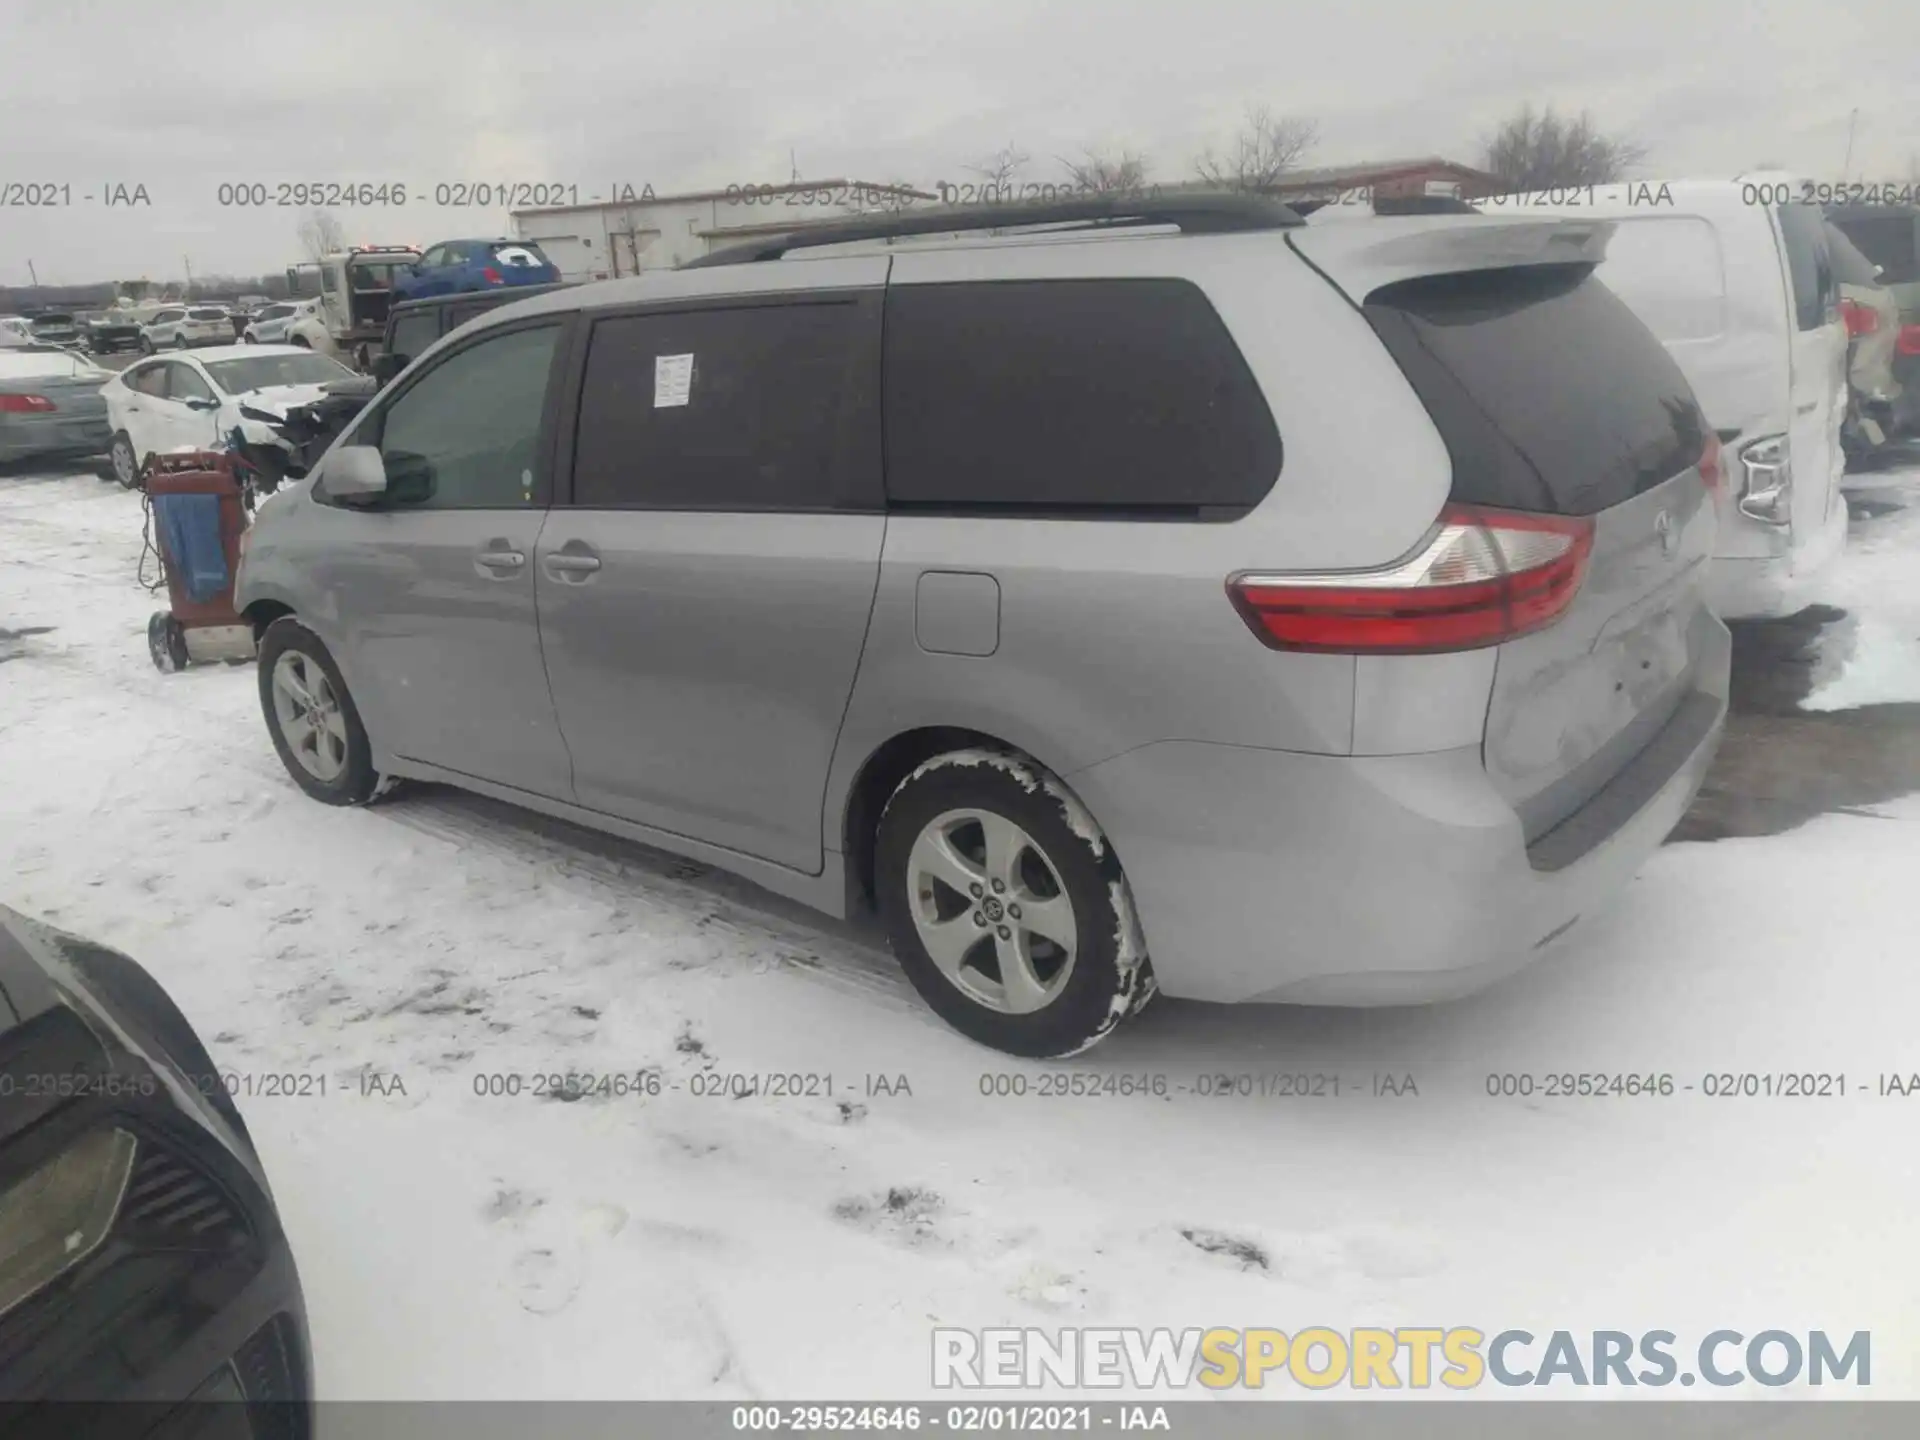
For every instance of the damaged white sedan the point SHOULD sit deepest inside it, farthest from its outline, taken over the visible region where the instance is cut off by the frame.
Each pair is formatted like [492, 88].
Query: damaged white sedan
[197, 401]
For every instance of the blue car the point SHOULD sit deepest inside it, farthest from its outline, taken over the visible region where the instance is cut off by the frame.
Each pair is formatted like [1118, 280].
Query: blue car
[455, 267]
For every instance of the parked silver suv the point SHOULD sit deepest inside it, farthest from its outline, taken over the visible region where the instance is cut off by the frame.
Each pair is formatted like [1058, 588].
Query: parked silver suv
[1316, 611]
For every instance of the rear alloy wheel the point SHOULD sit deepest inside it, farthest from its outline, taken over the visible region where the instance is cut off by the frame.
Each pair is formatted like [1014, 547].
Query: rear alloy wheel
[125, 468]
[1006, 907]
[146, 345]
[315, 726]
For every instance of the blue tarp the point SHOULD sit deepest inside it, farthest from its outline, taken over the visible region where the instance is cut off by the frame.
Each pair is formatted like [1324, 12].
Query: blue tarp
[189, 528]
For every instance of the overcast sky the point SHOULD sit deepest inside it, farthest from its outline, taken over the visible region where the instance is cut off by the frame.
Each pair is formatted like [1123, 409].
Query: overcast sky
[707, 93]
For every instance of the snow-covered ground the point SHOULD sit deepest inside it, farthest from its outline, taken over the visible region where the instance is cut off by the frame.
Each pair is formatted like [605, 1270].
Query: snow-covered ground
[460, 1245]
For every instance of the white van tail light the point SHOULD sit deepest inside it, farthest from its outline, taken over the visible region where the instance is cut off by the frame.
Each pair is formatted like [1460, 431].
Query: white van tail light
[1482, 577]
[1767, 492]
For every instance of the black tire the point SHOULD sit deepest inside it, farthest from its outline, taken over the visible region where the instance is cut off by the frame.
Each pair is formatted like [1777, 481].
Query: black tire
[121, 450]
[127, 987]
[301, 341]
[1104, 985]
[146, 345]
[167, 643]
[358, 781]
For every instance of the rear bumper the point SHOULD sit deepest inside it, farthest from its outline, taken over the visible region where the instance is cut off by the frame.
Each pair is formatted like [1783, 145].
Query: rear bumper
[1757, 588]
[1272, 876]
[25, 436]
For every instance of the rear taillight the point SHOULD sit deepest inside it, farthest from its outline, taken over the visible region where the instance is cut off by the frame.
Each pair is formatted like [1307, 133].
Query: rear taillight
[26, 405]
[491, 276]
[1482, 577]
[1710, 466]
[1908, 342]
[1861, 319]
[1768, 492]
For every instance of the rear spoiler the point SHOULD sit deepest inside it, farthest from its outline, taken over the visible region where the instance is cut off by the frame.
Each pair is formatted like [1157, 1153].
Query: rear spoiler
[1362, 258]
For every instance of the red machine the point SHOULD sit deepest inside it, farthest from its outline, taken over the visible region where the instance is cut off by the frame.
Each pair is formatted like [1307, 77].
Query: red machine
[198, 513]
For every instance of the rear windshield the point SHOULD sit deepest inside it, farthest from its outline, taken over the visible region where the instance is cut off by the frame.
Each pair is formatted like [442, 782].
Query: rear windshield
[39, 364]
[206, 314]
[518, 254]
[52, 320]
[1550, 393]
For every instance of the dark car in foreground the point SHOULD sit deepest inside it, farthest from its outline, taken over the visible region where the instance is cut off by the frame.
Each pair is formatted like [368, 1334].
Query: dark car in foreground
[144, 1273]
[109, 331]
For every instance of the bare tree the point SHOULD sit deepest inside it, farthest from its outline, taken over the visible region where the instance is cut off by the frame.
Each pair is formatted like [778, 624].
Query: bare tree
[1539, 151]
[321, 234]
[1106, 173]
[1264, 148]
[1001, 169]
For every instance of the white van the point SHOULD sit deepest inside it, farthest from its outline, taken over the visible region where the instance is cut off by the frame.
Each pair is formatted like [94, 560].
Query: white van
[1735, 277]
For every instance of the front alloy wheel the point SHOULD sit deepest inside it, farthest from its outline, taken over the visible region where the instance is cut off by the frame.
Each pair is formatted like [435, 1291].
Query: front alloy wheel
[311, 716]
[307, 711]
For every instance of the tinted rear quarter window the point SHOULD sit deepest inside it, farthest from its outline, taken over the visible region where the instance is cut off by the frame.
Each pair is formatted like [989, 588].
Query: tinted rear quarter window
[1551, 395]
[739, 407]
[413, 333]
[1074, 396]
[1803, 231]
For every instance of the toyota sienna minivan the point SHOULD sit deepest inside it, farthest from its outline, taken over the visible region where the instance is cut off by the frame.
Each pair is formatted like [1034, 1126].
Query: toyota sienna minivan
[1116, 597]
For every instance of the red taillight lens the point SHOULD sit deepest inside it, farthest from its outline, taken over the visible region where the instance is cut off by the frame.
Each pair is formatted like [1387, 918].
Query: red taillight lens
[1710, 463]
[1861, 319]
[490, 275]
[1482, 577]
[1909, 340]
[26, 405]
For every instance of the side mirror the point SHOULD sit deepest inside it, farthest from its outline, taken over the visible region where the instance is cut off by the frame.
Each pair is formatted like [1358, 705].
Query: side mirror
[388, 365]
[353, 472]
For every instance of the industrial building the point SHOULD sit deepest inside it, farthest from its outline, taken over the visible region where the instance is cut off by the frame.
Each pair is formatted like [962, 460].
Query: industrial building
[624, 237]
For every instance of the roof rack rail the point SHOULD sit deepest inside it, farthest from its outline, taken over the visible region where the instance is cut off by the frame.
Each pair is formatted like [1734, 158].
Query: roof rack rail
[1197, 213]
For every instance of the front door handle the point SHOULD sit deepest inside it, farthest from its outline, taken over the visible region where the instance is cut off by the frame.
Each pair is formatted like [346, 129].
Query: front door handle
[570, 563]
[500, 562]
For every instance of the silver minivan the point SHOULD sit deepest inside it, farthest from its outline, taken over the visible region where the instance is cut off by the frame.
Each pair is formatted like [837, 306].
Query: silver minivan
[1114, 596]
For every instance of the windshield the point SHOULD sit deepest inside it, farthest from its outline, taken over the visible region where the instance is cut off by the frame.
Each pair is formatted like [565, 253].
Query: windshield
[260, 372]
[46, 364]
[206, 314]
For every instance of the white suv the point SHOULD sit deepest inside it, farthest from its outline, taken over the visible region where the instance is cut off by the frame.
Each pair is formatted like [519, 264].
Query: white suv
[181, 326]
[270, 326]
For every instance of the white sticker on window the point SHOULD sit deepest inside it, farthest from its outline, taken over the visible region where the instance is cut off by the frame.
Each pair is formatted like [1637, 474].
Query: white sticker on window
[672, 380]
